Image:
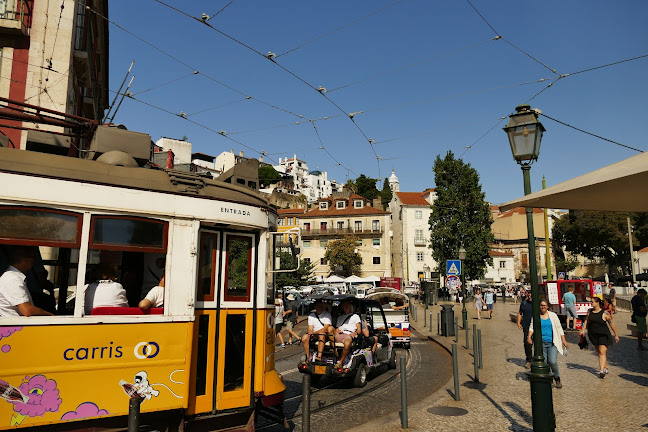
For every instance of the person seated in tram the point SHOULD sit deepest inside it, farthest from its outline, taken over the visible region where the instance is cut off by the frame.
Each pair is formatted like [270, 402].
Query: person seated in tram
[105, 291]
[319, 322]
[15, 299]
[400, 304]
[348, 326]
[373, 340]
[154, 298]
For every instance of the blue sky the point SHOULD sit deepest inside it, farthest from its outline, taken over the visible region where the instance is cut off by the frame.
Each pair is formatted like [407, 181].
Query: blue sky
[453, 84]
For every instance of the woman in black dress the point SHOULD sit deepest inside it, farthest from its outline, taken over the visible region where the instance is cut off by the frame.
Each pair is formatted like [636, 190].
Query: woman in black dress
[599, 333]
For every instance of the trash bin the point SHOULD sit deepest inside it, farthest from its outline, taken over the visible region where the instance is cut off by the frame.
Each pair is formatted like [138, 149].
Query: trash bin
[447, 320]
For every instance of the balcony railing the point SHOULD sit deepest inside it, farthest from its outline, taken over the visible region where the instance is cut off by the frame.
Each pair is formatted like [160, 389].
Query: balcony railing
[339, 231]
[15, 16]
[419, 242]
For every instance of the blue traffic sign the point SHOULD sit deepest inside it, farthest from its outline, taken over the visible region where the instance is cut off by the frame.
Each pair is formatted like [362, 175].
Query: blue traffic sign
[453, 267]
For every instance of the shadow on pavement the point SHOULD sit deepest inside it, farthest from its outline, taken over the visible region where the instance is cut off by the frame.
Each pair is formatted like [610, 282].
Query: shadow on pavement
[515, 425]
[637, 379]
[589, 369]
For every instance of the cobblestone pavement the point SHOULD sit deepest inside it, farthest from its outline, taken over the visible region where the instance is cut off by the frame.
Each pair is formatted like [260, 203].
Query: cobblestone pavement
[502, 400]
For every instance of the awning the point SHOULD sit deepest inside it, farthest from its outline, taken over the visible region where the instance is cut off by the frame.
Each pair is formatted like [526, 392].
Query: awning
[333, 279]
[618, 187]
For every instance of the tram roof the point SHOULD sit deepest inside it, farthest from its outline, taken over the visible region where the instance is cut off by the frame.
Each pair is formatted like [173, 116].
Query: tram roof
[159, 180]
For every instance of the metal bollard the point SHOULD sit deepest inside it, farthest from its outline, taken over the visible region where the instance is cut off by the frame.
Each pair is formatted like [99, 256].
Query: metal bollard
[439, 323]
[430, 322]
[403, 373]
[475, 355]
[479, 341]
[456, 329]
[467, 340]
[424, 320]
[306, 394]
[134, 413]
[455, 370]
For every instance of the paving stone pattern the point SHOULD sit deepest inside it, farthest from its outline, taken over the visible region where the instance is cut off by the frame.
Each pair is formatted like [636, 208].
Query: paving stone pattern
[502, 399]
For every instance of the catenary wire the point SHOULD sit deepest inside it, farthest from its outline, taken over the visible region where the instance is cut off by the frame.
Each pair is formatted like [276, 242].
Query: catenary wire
[167, 83]
[590, 133]
[218, 106]
[508, 42]
[338, 29]
[410, 65]
[221, 10]
[209, 77]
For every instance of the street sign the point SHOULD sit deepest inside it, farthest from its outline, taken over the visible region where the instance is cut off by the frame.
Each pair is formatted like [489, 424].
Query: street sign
[561, 275]
[453, 282]
[453, 267]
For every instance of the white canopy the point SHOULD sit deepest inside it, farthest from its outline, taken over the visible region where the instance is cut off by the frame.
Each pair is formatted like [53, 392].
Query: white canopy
[333, 279]
[354, 278]
[373, 278]
[618, 187]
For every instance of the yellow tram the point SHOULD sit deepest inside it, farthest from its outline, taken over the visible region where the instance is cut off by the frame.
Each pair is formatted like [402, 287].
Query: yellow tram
[205, 358]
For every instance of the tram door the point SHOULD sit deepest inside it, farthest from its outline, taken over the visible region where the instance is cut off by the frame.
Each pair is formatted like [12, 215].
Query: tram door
[223, 330]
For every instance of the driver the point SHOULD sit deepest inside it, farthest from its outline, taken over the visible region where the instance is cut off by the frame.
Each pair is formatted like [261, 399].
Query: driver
[319, 322]
[348, 326]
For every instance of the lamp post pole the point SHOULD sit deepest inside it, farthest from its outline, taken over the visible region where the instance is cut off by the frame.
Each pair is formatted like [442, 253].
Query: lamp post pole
[525, 134]
[464, 312]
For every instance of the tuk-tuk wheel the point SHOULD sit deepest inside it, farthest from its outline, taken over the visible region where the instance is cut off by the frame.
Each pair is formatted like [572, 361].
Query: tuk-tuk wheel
[392, 360]
[406, 345]
[361, 376]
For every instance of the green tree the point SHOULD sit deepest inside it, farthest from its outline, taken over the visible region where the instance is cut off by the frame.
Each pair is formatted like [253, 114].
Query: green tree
[594, 234]
[366, 187]
[460, 217]
[351, 186]
[268, 175]
[302, 276]
[342, 257]
[386, 194]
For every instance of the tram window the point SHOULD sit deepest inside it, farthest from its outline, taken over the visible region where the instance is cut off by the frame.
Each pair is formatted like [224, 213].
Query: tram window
[128, 234]
[207, 266]
[55, 237]
[234, 352]
[136, 248]
[377, 320]
[238, 268]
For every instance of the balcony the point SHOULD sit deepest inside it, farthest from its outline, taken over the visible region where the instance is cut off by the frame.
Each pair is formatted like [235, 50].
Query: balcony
[419, 242]
[15, 17]
[336, 232]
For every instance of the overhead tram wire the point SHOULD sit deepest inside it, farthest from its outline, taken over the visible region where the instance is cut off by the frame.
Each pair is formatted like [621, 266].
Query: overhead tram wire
[227, 86]
[327, 152]
[510, 43]
[167, 82]
[221, 10]
[219, 106]
[590, 133]
[337, 29]
[287, 124]
[270, 56]
[409, 65]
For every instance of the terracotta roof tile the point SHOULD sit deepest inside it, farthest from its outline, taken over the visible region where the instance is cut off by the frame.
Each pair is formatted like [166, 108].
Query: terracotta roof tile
[291, 211]
[349, 211]
[412, 198]
[643, 250]
[518, 210]
[498, 253]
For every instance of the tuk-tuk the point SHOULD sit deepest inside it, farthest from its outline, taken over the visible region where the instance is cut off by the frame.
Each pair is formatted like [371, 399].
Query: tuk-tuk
[395, 305]
[360, 361]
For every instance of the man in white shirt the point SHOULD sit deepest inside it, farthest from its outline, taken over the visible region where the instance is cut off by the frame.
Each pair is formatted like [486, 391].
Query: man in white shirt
[319, 322]
[348, 326]
[15, 299]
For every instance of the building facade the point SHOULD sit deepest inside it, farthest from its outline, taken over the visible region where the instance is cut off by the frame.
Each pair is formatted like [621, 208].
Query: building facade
[298, 179]
[55, 58]
[342, 215]
[410, 214]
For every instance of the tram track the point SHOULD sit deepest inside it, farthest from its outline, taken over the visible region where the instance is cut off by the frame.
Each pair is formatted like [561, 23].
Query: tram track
[330, 405]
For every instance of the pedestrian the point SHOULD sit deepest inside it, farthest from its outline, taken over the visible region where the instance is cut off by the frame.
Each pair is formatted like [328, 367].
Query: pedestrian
[279, 320]
[639, 313]
[489, 299]
[569, 300]
[478, 302]
[613, 298]
[596, 325]
[291, 321]
[525, 314]
[553, 339]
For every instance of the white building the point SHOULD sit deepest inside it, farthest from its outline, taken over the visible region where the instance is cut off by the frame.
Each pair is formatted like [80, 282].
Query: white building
[314, 185]
[503, 268]
[410, 214]
[227, 160]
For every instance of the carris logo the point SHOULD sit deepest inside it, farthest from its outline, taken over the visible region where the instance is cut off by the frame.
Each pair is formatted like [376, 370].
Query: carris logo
[145, 350]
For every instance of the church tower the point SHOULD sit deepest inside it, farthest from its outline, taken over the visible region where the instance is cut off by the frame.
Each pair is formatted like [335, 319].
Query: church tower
[393, 182]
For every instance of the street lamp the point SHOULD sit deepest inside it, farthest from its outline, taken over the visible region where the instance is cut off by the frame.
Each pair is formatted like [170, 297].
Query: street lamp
[525, 133]
[464, 312]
